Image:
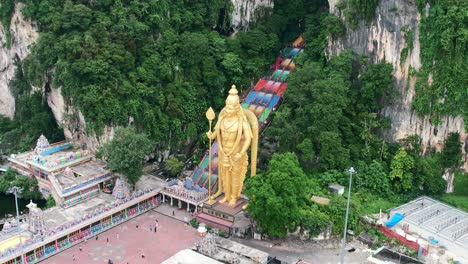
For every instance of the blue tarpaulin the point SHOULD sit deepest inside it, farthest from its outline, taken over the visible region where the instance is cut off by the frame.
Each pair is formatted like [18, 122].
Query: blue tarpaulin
[397, 217]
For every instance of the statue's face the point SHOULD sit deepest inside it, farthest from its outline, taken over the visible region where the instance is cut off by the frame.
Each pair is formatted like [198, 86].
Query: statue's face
[232, 105]
[232, 109]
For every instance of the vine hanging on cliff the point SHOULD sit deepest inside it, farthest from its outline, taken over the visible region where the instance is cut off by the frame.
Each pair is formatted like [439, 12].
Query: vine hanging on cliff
[7, 8]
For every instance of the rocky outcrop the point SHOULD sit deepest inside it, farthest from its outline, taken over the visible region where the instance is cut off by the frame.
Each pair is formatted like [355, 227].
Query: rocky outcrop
[73, 122]
[382, 41]
[244, 12]
[23, 33]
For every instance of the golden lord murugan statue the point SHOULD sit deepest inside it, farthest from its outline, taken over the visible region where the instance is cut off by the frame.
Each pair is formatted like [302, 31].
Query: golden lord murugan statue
[236, 131]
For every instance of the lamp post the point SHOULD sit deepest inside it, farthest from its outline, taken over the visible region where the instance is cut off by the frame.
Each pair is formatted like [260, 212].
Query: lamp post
[351, 171]
[17, 191]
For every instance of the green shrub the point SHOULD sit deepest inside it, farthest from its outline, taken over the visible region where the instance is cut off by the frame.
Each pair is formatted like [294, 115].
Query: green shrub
[460, 184]
[223, 233]
[194, 222]
[458, 201]
[50, 202]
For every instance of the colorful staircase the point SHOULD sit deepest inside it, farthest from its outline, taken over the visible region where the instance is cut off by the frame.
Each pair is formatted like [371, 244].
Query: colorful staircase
[262, 100]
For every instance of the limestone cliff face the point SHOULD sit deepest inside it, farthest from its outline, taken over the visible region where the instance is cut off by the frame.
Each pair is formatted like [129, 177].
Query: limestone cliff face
[382, 41]
[73, 122]
[23, 34]
[244, 12]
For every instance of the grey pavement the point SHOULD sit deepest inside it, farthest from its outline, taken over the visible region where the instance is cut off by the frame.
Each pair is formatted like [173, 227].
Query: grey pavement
[313, 252]
[167, 209]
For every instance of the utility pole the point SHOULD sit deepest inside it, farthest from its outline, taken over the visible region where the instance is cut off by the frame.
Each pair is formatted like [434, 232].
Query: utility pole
[343, 243]
[17, 191]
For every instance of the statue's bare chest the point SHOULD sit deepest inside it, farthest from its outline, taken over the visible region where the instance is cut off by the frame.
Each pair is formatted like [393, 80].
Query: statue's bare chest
[230, 125]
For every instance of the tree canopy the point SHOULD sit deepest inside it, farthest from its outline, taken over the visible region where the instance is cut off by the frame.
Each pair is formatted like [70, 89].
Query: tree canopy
[126, 153]
[29, 186]
[277, 195]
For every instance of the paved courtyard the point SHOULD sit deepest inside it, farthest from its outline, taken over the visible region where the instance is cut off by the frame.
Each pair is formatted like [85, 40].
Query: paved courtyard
[127, 242]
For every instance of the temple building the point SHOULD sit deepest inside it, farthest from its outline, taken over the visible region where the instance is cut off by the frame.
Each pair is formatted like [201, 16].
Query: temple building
[71, 175]
[185, 194]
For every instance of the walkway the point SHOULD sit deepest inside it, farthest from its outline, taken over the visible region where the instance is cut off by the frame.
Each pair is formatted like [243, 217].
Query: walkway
[166, 209]
[126, 242]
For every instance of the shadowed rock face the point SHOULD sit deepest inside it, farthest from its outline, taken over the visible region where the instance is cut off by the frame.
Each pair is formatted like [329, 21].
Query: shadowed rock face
[22, 35]
[244, 12]
[382, 41]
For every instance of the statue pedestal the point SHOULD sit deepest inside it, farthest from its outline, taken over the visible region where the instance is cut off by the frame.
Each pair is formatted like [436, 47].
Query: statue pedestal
[224, 206]
[221, 215]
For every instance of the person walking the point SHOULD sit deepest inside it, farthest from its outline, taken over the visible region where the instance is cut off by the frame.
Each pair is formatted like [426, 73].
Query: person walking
[173, 213]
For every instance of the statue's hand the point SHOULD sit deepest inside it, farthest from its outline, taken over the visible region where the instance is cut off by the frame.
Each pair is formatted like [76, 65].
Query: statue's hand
[237, 156]
[209, 134]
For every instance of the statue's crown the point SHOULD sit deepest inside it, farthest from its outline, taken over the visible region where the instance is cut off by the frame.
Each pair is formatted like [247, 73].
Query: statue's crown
[233, 90]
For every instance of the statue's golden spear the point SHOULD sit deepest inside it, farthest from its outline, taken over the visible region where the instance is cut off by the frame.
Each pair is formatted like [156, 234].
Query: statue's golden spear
[210, 115]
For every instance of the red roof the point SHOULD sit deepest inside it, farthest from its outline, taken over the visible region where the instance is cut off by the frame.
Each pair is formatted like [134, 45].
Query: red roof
[215, 219]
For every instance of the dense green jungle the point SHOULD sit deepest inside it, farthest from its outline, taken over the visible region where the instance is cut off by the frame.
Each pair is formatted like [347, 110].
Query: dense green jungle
[164, 62]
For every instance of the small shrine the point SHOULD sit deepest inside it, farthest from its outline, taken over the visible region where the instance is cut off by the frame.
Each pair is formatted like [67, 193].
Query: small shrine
[9, 228]
[121, 189]
[68, 172]
[42, 143]
[36, 219]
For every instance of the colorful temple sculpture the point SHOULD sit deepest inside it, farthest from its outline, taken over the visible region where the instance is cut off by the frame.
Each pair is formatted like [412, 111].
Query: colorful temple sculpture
[36, 223]
[120, 189]
[42, 144]
[71, 175]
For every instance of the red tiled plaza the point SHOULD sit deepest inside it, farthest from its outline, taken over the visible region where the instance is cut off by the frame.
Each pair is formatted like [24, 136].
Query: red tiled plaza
[127, 242]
